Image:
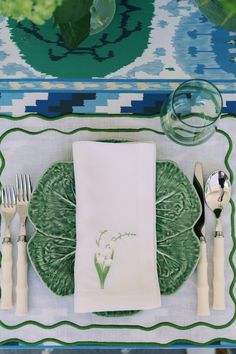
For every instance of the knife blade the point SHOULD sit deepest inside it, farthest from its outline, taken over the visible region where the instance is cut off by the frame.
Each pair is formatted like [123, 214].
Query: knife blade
[199, 228]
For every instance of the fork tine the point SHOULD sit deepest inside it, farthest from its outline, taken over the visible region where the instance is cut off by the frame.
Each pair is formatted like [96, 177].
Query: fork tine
[20, 188]
[23, 178]
[29, 187]
[3, 197]
[13, 196]
[17, 187]
[8, 197]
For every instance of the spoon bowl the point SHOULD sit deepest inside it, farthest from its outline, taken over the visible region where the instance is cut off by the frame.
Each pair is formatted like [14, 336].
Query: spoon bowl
[217, 192]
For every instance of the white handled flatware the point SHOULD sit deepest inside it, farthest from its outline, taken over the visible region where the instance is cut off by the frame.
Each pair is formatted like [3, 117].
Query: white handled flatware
[23, 192]
[217, 194]
[202, 268]
[8, 213]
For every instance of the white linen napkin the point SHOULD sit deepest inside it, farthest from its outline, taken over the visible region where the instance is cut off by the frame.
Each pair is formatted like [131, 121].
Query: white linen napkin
[115, 264]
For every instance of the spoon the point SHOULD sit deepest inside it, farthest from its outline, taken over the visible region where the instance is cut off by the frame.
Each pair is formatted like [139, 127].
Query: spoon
[217, 196]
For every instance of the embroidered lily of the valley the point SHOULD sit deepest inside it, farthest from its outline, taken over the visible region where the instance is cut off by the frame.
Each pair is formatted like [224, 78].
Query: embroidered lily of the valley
[104, 255]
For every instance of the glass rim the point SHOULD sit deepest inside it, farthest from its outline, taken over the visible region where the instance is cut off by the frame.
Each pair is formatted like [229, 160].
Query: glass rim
[194, 126]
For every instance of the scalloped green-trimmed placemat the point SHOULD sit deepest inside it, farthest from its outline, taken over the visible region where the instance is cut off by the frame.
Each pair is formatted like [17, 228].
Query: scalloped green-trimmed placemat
[140, 327]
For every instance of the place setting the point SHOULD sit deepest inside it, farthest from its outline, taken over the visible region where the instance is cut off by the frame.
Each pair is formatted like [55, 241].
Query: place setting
[119, 231]
[117, 174]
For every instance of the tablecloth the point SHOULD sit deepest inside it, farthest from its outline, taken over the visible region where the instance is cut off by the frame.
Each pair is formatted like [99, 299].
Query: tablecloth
[178, 43]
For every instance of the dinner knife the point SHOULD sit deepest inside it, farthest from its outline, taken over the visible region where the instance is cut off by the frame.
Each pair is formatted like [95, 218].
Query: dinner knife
[199, 228]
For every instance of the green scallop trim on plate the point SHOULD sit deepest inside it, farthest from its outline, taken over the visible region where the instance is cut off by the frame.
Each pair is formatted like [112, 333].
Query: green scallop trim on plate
[125, 326]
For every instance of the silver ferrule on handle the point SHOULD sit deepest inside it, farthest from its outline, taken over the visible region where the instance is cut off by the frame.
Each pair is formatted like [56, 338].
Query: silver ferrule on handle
[22, 232]
[6, 240]
[7, 234]
[22, 238]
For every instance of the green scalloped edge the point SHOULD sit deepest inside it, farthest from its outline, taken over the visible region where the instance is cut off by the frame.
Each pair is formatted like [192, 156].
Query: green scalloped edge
[161, 324]
[117, 345]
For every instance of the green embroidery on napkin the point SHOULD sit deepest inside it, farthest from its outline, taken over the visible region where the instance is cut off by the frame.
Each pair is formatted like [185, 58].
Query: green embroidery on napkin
[103, 257]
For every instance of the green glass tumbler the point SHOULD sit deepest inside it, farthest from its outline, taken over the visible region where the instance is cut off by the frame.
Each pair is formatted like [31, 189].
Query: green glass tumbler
[102, 13]
[191, 113]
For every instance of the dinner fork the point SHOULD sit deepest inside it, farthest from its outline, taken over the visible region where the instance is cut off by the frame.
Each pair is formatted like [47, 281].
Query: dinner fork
[8, 213]
[23, 193]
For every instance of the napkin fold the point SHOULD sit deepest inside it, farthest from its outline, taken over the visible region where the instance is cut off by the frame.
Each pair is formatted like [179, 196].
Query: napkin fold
[115, 263]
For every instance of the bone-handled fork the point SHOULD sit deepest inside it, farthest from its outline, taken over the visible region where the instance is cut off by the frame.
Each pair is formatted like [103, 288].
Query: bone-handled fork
[8, 212]
[23, 193]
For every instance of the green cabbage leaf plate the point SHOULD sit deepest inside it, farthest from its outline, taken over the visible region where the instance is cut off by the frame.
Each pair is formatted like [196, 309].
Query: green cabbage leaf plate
[52, 211]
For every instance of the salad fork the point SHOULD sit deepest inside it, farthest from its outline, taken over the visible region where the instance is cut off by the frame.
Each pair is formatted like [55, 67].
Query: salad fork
[23, 192]
[8, 213]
